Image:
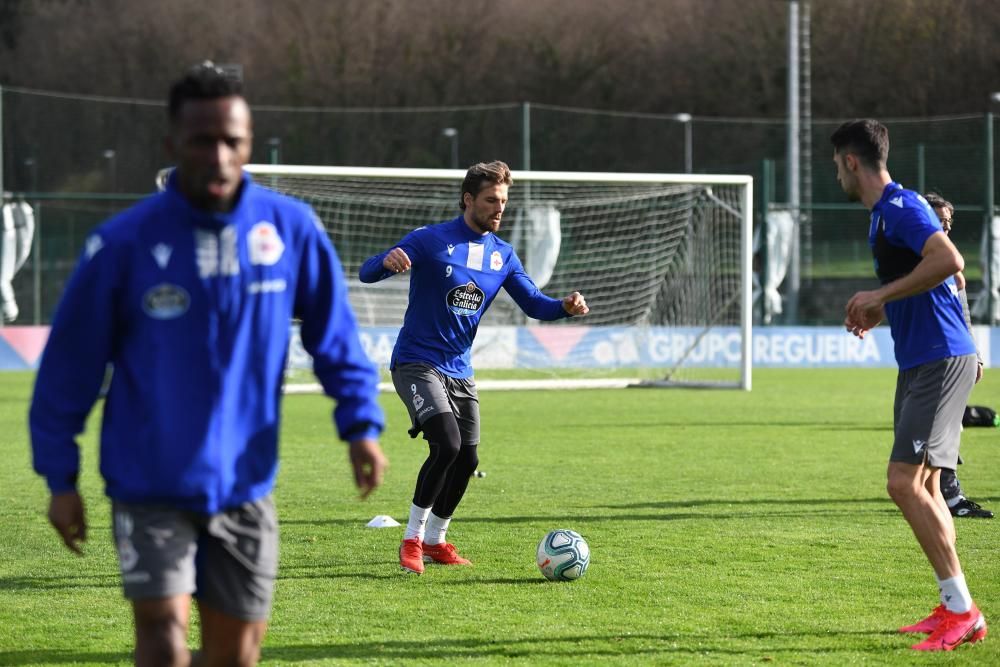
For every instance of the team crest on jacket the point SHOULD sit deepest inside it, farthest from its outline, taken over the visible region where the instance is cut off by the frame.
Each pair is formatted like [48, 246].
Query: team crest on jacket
[466, 299]
[264, 244]
[496, 261]
[165, 301]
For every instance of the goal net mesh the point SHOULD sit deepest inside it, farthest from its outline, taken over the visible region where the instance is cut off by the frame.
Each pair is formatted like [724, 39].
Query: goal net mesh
[661, 265]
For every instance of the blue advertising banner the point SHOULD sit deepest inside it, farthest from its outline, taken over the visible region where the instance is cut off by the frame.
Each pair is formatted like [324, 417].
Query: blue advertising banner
[602, 347]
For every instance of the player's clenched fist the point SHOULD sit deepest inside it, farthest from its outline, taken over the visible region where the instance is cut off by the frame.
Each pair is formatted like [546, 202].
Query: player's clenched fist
[397, 261]
[864, 312]
[575, 304]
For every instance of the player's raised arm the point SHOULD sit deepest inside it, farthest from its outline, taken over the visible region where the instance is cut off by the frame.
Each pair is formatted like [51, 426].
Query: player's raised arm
[398, 259]
[575, 304]
[533, 302]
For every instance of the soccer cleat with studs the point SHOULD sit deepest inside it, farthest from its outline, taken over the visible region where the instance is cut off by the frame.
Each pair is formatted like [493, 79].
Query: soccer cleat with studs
[443, 554]
[955, 630]
[970, 510]
[411, 556]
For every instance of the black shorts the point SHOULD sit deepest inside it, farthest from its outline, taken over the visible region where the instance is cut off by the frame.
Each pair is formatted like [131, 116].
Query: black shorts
[426, 391]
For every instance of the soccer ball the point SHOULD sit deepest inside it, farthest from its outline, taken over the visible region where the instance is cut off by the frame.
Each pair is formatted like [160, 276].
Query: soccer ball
[563, 555]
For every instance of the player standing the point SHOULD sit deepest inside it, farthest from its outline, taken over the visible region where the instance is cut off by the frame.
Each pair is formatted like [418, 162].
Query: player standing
[916, 263]
[189, 295]
[458, 267]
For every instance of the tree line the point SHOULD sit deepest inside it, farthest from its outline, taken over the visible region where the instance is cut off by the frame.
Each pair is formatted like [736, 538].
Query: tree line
[705, 57]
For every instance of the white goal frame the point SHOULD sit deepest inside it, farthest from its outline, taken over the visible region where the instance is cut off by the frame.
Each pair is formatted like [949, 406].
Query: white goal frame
[261, 171]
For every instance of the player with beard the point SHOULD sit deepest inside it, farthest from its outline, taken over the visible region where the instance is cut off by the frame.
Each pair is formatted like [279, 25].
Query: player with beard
[457, 269]
[916, 262]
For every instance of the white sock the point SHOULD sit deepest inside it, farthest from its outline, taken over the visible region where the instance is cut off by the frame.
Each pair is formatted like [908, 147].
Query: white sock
[415, 526]
[955, 594]
[437, 528]
[940, 590]
[951, 502]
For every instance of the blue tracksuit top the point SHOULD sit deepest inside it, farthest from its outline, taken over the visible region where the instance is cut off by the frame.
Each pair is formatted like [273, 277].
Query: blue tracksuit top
[193, 310]
[456, 273]
[928, 326]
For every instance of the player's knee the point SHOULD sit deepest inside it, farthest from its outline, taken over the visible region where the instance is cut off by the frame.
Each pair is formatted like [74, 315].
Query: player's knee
[901, 487]
[245, 655]
[468, 459]
[161, 631]
[163, 642]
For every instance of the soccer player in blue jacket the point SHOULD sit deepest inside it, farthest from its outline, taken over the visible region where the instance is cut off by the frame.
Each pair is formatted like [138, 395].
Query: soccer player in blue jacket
[189, 296]
[458, 267]
[916, 262]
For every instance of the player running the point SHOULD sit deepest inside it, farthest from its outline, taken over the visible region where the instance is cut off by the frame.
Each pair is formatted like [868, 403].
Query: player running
[458, 267]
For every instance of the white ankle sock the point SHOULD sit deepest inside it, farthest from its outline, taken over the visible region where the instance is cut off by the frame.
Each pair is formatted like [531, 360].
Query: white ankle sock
[437, 528]
[415, 526]
[955, 594]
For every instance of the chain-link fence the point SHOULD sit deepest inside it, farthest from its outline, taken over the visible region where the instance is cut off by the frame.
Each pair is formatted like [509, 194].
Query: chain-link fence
[77, 159]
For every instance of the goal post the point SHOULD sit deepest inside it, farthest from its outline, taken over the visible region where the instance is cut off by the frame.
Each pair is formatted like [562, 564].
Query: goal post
[664, 261]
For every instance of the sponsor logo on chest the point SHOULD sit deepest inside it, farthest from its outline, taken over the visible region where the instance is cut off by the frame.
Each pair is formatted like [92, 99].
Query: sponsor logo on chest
[165, 301]
[465, 300]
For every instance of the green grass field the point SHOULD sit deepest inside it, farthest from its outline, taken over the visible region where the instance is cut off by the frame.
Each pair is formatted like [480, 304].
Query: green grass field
[727, 528]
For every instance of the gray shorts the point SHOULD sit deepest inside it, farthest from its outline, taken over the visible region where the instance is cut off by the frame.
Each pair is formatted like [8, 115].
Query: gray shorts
[930, 402]
[426, 392]
[227, 560]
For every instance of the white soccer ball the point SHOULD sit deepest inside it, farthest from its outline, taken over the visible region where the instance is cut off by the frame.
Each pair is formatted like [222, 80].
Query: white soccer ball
[563, 555]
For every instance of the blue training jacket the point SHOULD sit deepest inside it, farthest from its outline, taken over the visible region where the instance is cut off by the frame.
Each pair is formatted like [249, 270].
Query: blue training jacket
[455, 276]
[193, 310]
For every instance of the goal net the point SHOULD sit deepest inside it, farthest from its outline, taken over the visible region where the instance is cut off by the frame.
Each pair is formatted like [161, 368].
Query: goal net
[662, 259]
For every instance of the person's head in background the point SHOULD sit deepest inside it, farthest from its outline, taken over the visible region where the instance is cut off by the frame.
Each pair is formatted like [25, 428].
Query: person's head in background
[943, 208]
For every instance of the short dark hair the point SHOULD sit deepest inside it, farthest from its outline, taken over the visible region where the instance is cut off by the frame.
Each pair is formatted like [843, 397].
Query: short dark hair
[495, 172]
[937, 201]
[866, 139]
[204, 81]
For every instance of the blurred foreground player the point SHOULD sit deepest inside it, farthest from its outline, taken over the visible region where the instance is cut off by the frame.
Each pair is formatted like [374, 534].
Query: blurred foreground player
[916, 263]
[189, 295]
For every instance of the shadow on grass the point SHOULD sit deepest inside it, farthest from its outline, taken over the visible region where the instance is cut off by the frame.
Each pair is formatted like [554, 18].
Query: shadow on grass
[63, 657]
[710, 502]
[538, 649]
[626, 647]
[687, 423]
[825, 507]
[64, 583]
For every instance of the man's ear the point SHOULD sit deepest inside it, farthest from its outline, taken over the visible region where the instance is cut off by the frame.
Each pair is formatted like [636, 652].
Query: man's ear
[467, 199]
[851, 161]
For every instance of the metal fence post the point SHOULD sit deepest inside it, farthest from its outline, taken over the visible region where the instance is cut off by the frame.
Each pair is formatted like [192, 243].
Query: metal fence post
[921, 168]
[988, 206]
[1, 141]
[526, 136]
[766, 192]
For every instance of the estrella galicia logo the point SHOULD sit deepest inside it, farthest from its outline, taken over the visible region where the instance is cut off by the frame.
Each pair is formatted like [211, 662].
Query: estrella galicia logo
[466, 299]
[165, 301]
